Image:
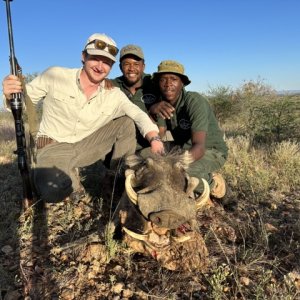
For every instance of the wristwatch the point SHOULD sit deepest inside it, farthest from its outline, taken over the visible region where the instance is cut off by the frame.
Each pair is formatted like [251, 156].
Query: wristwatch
[155, 138]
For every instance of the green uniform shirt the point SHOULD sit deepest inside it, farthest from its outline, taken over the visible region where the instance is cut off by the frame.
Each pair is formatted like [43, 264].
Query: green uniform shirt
[144, 97]
[193, 113]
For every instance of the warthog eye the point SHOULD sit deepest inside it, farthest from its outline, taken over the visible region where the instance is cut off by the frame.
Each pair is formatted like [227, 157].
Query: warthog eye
[147, 190]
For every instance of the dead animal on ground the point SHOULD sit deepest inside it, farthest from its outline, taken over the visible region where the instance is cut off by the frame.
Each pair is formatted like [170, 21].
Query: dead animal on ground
[157, 212]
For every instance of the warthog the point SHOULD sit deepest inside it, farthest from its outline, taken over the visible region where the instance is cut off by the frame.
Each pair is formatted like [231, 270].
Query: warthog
[157, 213]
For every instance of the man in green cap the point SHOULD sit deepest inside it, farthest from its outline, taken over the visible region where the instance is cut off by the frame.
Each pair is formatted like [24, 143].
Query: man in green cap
[193, 126]
[137, 85]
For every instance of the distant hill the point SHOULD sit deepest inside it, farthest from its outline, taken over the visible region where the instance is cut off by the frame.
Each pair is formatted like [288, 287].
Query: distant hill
[288, 92]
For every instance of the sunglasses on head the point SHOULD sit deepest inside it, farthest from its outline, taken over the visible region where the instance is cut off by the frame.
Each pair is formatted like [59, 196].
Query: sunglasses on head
[101, 45]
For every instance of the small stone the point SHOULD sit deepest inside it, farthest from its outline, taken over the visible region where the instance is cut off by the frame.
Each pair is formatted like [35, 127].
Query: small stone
[118, 287]
[273, 206]
[38, 270]
[245, 281]
[67, 294]
[64, 257]
[127, 293]
[7, 249]
[270, 228]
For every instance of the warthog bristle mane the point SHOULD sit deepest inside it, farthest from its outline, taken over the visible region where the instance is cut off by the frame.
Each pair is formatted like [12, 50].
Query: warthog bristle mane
[176, 155]
[181, 156]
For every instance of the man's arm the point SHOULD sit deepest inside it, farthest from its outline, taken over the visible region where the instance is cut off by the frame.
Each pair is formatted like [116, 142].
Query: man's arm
[162, 131]
[147, 128]
[198, 144]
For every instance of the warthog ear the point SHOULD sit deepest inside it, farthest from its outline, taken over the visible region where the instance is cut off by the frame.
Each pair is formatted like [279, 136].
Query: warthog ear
[133, 160]
[149, 162]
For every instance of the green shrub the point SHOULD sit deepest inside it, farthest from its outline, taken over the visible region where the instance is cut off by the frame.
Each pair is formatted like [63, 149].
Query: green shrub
[222, 102]
[273, 120]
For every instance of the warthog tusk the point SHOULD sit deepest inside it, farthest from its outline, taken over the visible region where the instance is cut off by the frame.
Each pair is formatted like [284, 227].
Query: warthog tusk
[180, 239]
[204, 197]
[132, 195]
[133, 179]
[140, 237]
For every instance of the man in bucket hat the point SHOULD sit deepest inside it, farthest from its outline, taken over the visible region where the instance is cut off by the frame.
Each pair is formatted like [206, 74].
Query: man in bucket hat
[81, 120]
[193, 126]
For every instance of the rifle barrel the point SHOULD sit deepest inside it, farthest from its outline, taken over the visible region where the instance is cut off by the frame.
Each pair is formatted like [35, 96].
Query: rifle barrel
[16, 108]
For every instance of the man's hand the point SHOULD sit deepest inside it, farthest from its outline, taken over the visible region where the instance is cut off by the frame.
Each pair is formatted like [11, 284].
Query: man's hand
[11, 84]
[157, 146]
[162, 109]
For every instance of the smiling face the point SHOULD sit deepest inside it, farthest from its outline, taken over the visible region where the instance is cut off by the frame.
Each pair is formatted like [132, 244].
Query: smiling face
[96, 67]
[132, 68]
[170, 86]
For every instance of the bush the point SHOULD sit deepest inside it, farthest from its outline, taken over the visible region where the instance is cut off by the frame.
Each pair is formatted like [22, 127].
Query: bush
[273, 120]
[222, 102]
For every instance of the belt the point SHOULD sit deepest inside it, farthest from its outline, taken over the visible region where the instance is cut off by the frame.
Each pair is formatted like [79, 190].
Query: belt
[43, 141]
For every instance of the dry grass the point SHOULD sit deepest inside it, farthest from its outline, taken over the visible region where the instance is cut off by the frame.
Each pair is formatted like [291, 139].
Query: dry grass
[254, 240]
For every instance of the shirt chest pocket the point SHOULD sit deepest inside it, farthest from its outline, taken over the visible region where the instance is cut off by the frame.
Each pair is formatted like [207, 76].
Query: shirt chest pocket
[63, 98]
[107, 112]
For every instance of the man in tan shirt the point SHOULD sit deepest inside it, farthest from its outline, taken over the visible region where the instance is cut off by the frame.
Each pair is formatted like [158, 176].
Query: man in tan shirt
[81, 120]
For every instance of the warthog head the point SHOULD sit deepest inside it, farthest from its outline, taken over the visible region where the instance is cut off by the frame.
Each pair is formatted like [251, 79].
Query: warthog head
[159, 208]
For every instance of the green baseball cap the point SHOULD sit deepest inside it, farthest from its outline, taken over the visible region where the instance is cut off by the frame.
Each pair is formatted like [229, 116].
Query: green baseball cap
[131, 50]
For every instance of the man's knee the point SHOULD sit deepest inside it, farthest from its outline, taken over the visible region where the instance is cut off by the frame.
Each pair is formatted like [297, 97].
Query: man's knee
[128, 126]
[126, 138]
[52, 184]
[131, 127]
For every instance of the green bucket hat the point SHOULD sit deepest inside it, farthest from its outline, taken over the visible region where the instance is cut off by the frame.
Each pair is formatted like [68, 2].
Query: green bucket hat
[172, 66]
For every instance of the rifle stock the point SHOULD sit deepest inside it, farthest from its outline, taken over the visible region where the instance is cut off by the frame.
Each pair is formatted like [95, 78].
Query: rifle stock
[16, 106]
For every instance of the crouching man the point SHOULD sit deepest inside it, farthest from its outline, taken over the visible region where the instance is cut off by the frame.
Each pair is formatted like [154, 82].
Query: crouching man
[193, 125]
[81, 120]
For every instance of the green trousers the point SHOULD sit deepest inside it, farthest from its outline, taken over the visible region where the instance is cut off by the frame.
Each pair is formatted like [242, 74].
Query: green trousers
[55, 174]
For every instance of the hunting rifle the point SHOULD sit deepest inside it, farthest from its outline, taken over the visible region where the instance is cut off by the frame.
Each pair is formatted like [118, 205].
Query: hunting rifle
[16, 106]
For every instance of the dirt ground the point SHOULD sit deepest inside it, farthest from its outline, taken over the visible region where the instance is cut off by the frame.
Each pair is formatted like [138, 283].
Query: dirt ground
[63, 251]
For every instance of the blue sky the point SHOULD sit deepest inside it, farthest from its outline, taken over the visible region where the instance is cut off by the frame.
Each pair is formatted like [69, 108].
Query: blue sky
[220, 42]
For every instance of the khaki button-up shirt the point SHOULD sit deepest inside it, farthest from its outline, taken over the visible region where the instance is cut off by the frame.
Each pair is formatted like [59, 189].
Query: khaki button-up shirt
[68, 116]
